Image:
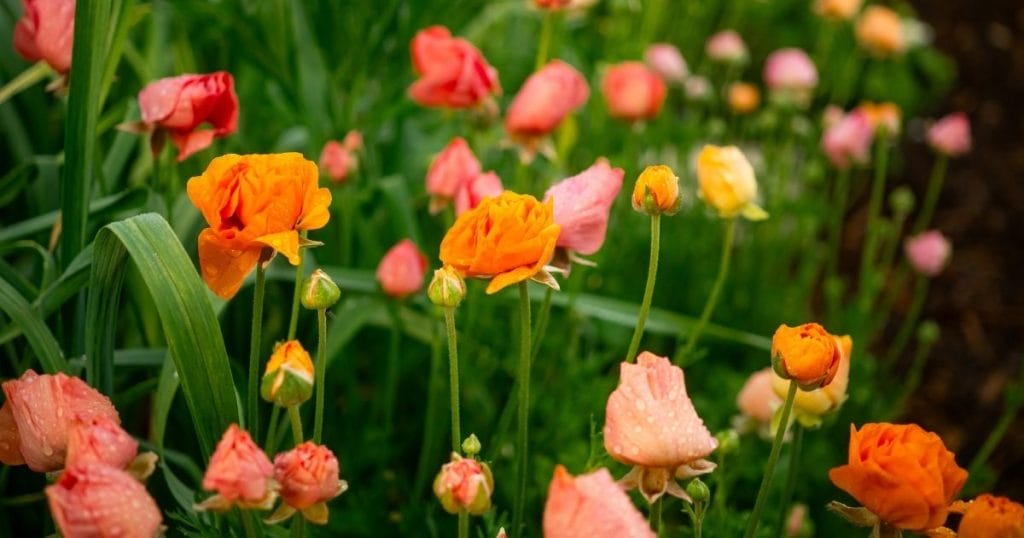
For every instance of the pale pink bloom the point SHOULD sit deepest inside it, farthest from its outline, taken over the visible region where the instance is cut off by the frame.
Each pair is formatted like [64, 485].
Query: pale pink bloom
[790, 70]
[666, 60]
[848, 142]
[309, 477]
[472, 192]
[756, 399]
[453, 167]
[951, 135]
[401, 270]
[697, 88]
[94, 499]
[338, 159]
[178, 106]
[464, 484]
[43, 408]
[928, 252]
[45, 32]
[832, 116]
[240, 473]
[452, 71]
[591, 506]
[545, 99]
[632, 91]
[796, 521]
[726, 46]
[582, 206]
[100, 439]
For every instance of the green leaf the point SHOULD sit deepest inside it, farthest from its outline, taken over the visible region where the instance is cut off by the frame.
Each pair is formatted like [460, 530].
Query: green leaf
[186, 315]
[57, 293]
[43, 344]
[98, 208]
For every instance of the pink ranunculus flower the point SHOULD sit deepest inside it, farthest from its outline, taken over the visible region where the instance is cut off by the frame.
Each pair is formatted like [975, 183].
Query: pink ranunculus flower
[100, 439]
[402, 269]
[632, 91]
[94, 499]
[464, 484]
[45, 32]
[848, 142]
[951, 135]
[453, 73]
[651, 424]
[666, 60]
[726, 47]
[756, 399]
[591, 506]
[928, 252]
[339, 159]
[546, 98]
[790, 75]
[472, 192]
[43, 408]
[239, 473]
[309, 477]
[177, 106]
[582, 206]
[453, 167]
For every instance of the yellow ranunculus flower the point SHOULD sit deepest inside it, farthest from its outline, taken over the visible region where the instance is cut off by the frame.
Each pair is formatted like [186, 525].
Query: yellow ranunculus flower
[727, 182]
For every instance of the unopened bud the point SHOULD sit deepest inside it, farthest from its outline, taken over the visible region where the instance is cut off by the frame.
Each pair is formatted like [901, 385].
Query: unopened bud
[698, 491]
[471, 446]
[902, 201]
[288, 379]
[728, 441]
[319, 292]
[928, 332]
[656, 191]
[464, 484]
[447, 287]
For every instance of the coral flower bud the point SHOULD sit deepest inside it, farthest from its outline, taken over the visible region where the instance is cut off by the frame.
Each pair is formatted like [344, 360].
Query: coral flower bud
[402, 269]
[338, 159]
[239, 473]
[727, 47]
[582, 206]
[806, 354]
[464, 484]
[928, 252]
[472, 192]
[452, 168]
[848, 141]
[756, 399]
[666, 60]
[546, 98]
[840, 10]
[656, 191]
[988, 516]
[810, 406]
[452, 71]
[288, 379]
[951, 135]
[591, 506]
[95, 499]
[727, 182]
[45, 32]
[309, 477]
[447, 288]
[319, 291]
[177, 106]
[744, 98]
[880, 32]
[100, 439]
[633, 92]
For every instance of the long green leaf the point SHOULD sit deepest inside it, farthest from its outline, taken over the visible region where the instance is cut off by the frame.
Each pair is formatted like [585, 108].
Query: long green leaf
[98, 208]
[57, 293]
[43, 344]
[186, 315]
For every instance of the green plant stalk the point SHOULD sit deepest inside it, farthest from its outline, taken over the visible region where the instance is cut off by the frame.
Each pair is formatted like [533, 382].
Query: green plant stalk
[543, 316]
[252, 410]
[25, 80]
[654, 517]
[321, 374]
[716, 289]
[652, 276]
[250, 529]
[275, 418]
[910, 322]
[463, 524]
[931, 196]
[296, 420]
[523, 430]
[293, 321]
[835, 236]
[430, 419]
[794, 470]
[298, 526]
[391, 379]
[913, 377]
[773, 459]
[871, 232]
[453, 376]
[1010, 411]
[544, 42]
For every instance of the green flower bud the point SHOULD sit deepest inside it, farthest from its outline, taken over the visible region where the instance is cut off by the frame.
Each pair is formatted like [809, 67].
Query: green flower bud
[319, 292]
[928, 332]
[471, 446]
[447, 288]
[288, 379]
[902, 201]
[698, 491]
[728, 441]
[464, 484]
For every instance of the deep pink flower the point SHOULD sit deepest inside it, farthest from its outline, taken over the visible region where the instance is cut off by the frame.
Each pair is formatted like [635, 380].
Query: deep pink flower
[46, 31]
[591, 506]
[94, 499]
[951, 135]
[100, 439]
[545, 99]
[790, 69]
[848, 142]
[452, 71]
[472, 192]
[240, 473]
[582, 205]
[453, 167]
[338, 159]
[928, 252]
[178, 105]
[401, 270]
[632, 91]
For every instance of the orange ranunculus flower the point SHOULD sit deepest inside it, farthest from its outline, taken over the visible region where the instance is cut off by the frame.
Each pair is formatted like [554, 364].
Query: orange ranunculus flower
[252, 203]
[988, 516]
[810, 406]
[807, 354]
[509, 239]
[880, 31]
[744, 98]
[901, 473]
[662, 184]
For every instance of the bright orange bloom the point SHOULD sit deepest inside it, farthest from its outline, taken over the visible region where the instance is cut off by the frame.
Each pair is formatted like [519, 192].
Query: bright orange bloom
[508, 239]
[253, 203]
[662, 184]
[744, 98]
[807, 354]
[988, 516]
[810, 406]
[880, 31]
[901, 473]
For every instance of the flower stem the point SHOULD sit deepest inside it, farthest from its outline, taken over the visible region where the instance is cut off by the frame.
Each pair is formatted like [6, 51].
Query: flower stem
[544, 42]
[654, 517]
[542, 321]
[835, 239]
[27, 78]
[522, 434]
[931, 197]
[871, 231]
[391, 381]
[293, 322]
[716, 289]
[1012, 404]
[773, 458]
[252, 413]
[921, 353]
[275, 417]
[453, 375]
[321, 373]
[296, 420]
[430, 420]
[794, 470]
[910, 322]
[652, 276]
[463, 524]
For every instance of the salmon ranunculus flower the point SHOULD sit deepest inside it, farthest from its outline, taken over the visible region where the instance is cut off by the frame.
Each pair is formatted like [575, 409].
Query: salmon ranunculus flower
[402, 269]
[756, 400]
[94, 499]
[472, 192]
[509, 239]
[633, 92]
[38, 415]
[806, 354]
[810, 406]
[651, 423]
[452, 71]
[100, 439]
[338, 159]
[253, 203]
[951, 135]
[449, 171]
[901, 473]
[239, 473]
[464, 484]
[591, 506]
[989, 516]
[45, 32]
[656, 191]
[727, 47]
[309, 477]
[847, 141]
[582, 206]
[545, 99]
[727, 182]
[177, 106]
[880, 31]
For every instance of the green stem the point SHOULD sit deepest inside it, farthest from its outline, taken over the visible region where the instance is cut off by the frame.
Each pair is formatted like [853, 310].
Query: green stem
[931, 197]
[794, 470]
[654, 517]
[298, 527]
[463, 524]
[544, 42]
[773, 458]
[716, 289]
[871, 231]
[250, 529]
[275, 417]
[391, 381]
[522, 434]
[652, 276]
[543, 317]
[913, 377]
[841, 199]
[293, 322]
[453, 375]
[26, 79]
[910, 322]
[296, 419]
[430, 420]
[321, 374]
[994, 438]
[254, 350]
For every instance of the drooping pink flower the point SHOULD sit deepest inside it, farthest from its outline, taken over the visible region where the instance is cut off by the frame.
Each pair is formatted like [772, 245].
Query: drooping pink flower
[100, 439]
[453, 167]
[309, 477]
[727, 47]
[177, 106]
[472, 192]
[339, 159]
[582, 206]
[650, 423]
[464, 484]
[452, 71]
[239, 473]
[46, 31]
[848, 142]
[790, 70]
[545, 99]
[666, 60]
[928, 252]
[94, 499]
[401, 270]
[756, 399]
[43, 408]
[632, 91]
[951, 135]
[591, 506]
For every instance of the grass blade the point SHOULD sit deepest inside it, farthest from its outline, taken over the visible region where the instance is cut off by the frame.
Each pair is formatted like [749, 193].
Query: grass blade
[39, 337]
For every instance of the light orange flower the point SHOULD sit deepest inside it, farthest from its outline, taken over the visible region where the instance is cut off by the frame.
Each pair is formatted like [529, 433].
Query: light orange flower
[807, 354]
[727, 182]
[464, 484]
[885, 118]
[901, 473]
[988, 516]
[756, 399]
[810, 406]
[100, 439]
[633, 92]
[841, 10]
[309, 477]
[99, 500]
[662, 185]
[880, 31]
[591, 506]
[402, 269]
[239, 473]
[744, 98]
[254, 203]
[509, 238]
